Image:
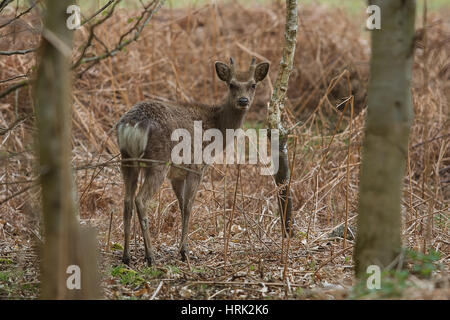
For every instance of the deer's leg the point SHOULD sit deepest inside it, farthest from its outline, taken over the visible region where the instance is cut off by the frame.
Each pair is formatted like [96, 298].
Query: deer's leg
[154, 177]
[186, 191]
[178, 187]
[130, 177]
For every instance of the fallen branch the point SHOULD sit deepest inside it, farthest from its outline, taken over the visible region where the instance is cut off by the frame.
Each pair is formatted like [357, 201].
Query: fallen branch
[14, 78]
[11, 53]
[14, 88]
[3, 131]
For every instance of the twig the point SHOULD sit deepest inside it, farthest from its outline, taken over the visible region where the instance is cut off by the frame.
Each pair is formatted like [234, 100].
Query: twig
[25, 189]
[139, 160]
[11, 53]
[121, 44]
[14, 78]
[92, 34]
[430, 140]
[156, 291]
[227, 237]
[109, 232]
[349, 159]
[19, 15]
[14, 87]
[4, 3]
[98, 12]
[240, 283]
[332, 258]
[3, 131]
[289, 234]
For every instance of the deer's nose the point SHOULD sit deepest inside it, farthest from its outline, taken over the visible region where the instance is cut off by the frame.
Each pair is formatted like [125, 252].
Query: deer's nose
[243, 102]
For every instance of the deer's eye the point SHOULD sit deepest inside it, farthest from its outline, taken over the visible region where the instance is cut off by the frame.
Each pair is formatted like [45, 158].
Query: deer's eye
[232, 86]
[254, 86]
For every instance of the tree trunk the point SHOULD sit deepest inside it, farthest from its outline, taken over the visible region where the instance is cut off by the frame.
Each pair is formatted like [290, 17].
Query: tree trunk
[385, 145]
[275, 108]
[65, 244]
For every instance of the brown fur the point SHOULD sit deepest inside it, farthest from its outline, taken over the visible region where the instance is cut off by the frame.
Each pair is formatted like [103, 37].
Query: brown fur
[149, 125]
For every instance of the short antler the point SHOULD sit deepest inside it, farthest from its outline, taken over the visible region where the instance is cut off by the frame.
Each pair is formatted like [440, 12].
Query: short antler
[232, 66]
[252, 68]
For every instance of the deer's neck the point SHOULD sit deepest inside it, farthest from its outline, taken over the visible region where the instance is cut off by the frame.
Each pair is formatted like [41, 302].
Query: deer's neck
[228, 117]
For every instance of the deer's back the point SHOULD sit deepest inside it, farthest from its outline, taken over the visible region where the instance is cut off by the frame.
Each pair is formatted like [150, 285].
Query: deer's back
[145, 130]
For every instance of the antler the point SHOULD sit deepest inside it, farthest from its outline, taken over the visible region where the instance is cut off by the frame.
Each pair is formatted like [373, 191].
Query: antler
[232, 66]
[252, 68]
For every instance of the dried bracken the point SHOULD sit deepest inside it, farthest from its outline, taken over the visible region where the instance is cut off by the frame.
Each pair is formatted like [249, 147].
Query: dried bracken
[173, 59]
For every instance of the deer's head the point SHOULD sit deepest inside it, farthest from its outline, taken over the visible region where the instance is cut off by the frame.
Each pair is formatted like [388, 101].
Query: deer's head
[241, 84]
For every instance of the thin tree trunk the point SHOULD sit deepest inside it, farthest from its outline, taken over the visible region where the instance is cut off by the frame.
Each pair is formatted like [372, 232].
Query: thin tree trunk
[275, 108]
[65, 244]
[385, 147]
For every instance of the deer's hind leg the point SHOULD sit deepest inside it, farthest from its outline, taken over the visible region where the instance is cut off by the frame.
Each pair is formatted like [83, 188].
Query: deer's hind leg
[154, 177]
[130, 173]
[185, 191]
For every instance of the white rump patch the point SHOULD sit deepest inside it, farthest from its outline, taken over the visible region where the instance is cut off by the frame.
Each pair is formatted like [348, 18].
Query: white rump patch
[133, 139]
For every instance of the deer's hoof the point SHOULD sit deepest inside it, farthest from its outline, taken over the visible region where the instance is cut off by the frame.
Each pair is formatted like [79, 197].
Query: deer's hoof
[184, 253]
[150, 260]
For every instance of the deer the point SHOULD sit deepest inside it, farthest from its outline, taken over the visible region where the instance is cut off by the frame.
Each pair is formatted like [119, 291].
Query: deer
[144, 132]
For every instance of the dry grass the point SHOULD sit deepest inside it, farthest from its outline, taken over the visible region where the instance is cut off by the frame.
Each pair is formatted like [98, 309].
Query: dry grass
[174, 59]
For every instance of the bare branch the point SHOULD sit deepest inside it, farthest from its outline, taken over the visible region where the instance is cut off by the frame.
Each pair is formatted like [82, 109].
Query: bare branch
[14, 88]
[14, 78]
[140, 24]
[98, 11]
[19, 193]
[92, 35]
[4, 3]
[276, 104]
[19, 15]
[11, 53]
[18, 121]
[130, 161]
[111, 162]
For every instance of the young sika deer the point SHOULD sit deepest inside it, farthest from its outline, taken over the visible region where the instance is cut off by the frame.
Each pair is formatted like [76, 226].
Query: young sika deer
[144, 132]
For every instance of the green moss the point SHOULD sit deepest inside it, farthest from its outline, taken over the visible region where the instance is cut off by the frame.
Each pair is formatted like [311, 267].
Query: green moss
[127, 276]
[5, 261]
[116, 246]
[152, 272]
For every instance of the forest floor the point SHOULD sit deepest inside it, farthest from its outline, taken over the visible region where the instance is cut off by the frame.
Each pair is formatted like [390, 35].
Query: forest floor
[174, 59]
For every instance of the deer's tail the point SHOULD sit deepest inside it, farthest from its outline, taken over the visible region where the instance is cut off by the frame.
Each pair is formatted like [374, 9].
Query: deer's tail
[133, 139]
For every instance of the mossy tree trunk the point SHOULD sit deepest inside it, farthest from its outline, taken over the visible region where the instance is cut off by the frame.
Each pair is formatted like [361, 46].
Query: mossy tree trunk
[275, 108]
[385, 146]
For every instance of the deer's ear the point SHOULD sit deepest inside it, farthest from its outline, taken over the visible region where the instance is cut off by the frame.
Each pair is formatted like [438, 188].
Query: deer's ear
[223, 71]
[261, 71]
